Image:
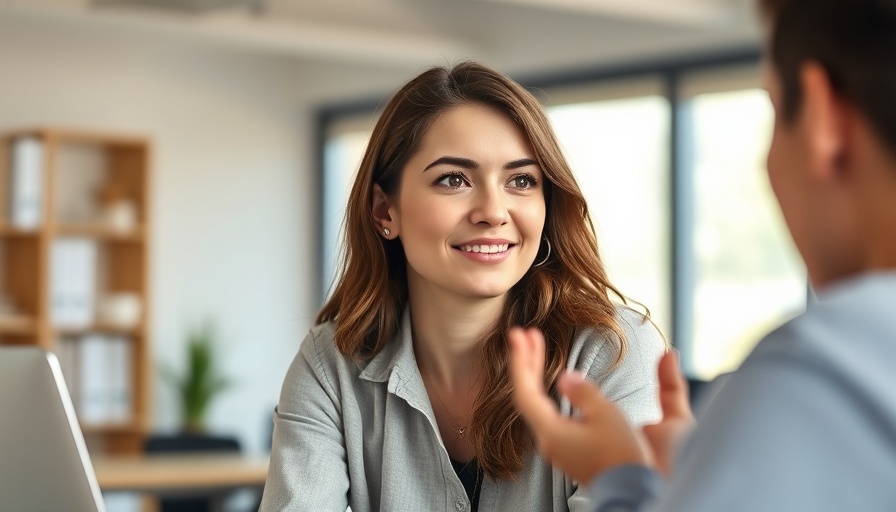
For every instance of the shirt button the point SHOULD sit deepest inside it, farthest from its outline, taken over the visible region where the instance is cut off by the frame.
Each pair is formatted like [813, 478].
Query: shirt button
[460, 506]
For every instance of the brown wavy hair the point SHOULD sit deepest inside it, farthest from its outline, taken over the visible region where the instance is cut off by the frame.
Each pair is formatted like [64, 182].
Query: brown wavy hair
[570, 291]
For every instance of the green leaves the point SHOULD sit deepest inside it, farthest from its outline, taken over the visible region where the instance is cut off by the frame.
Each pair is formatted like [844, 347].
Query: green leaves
[202, 380]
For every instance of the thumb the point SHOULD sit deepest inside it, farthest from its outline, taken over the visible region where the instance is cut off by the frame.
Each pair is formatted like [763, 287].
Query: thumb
[582, 395]
[673, 388]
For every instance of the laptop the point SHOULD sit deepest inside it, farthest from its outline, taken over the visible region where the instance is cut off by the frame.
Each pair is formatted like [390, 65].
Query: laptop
[44, 465]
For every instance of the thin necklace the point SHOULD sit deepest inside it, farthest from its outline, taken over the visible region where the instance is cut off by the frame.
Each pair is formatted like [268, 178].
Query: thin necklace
[460, 429]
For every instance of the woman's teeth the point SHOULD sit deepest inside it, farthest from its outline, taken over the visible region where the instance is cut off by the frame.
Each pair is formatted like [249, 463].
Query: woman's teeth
[489, 249]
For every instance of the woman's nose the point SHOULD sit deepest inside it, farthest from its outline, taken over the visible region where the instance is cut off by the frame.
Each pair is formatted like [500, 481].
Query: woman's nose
[490, 208]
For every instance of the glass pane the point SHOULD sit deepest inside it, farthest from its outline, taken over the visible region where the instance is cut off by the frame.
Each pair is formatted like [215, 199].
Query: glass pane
[342, 157]
[618, 150]
[749, 277]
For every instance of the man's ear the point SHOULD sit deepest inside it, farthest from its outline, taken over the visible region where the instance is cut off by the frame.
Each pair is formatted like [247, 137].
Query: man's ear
[825, 121]
[380, 210]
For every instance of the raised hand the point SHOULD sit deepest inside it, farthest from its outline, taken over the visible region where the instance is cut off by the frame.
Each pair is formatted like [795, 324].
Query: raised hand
[598, 439]
[666, 436]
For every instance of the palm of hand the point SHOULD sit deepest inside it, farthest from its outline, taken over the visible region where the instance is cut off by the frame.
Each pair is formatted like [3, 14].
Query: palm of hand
[600, 438]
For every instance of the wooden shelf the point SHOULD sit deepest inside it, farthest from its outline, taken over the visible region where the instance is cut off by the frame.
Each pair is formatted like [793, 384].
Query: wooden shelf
[132, 331]
[80, 136]
[100, 232]
[82, 172]
[7, 230]
[18, 325]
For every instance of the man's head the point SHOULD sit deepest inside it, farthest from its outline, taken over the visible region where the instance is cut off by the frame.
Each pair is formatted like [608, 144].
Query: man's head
[831, 75]
[853, 40]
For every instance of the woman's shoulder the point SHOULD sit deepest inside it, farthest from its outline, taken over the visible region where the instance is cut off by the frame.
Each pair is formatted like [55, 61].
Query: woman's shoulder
[320, 338]
[595, 349]
[320, 351]
[635, 326]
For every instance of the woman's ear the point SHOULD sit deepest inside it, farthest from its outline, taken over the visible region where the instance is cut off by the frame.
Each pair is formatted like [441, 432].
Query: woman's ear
[381, 210]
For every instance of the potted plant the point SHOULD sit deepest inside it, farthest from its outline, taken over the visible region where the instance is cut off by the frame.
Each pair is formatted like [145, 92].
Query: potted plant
[201, 381]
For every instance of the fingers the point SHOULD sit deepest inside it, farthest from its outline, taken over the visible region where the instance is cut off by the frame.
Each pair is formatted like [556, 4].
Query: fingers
[584, 446]
[526, 359]
[659, 445]
[673, 388]
[583, 395]
[527, 374]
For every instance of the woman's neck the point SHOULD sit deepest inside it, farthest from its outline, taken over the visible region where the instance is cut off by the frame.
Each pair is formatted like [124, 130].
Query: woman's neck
[447, 331]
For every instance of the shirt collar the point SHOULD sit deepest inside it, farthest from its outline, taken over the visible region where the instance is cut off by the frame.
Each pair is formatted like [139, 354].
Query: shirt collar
[397, 365]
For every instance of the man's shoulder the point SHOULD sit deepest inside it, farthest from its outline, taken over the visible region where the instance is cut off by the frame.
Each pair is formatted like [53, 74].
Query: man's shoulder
[847, 340]
[850, 324]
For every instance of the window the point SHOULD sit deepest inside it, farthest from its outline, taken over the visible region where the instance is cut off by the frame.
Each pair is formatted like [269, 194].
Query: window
[615, 138]
[343, 150]
[748, 277]
[732, 270]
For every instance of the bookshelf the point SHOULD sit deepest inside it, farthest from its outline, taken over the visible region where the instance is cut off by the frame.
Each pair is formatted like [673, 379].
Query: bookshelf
[74, 270]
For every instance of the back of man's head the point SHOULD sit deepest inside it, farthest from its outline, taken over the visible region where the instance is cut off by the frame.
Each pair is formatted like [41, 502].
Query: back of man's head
[854, 40]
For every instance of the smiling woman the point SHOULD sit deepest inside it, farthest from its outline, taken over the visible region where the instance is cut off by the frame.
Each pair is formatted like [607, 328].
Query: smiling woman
[464, 221]
[476, 169]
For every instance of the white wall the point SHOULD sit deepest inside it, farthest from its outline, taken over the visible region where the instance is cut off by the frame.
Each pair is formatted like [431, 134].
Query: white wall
[233, 204]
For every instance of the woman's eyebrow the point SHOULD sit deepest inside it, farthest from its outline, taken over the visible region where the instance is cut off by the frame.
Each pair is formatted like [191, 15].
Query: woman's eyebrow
[522, 162]
[466, 163]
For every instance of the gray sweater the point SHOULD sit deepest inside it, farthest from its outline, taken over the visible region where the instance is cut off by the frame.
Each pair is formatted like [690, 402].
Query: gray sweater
[807, 423]
[365, 436]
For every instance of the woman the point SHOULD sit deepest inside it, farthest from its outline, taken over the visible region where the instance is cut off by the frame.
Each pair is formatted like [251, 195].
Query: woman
[464, 220]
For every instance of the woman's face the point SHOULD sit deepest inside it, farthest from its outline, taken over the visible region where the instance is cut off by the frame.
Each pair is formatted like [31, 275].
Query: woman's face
[471, 207]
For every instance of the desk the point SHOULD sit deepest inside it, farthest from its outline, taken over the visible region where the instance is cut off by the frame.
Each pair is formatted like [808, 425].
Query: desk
[173, 474]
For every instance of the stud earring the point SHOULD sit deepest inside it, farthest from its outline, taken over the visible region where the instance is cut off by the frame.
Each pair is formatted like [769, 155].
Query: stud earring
[386, 232]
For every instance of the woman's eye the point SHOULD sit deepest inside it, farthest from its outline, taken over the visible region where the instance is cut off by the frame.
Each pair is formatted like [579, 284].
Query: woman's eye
[523, 181]
[452, 181]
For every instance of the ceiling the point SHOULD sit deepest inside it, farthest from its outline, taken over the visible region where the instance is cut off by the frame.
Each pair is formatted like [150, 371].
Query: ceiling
[402, 32]
[520, 37]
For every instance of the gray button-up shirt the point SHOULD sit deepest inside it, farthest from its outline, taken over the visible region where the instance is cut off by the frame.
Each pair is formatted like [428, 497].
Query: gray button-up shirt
[365, 436]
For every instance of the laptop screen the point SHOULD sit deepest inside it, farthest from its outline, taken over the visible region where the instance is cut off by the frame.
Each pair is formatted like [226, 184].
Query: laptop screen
[44, 463]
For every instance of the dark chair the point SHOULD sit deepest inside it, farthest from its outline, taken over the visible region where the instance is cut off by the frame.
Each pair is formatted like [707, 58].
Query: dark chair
[704, 391]
[189, 443]
[696, 388]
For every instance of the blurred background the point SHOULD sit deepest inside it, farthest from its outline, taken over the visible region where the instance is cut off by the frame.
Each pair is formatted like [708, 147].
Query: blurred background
[242, 123]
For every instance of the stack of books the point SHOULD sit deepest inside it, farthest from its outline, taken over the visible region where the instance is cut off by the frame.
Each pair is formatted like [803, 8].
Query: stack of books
[73, 282]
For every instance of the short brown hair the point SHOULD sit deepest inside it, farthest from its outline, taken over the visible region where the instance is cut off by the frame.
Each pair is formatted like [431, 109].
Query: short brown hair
[855, 42]
[569, 291]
